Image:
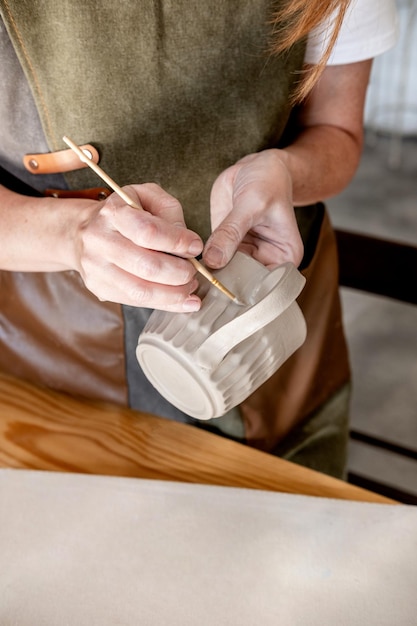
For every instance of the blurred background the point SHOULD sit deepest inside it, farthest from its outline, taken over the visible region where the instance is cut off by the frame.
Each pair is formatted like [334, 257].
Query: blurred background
[381, 331]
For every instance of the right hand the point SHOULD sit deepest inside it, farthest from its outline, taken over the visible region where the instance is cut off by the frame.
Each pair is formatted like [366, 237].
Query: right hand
[138, 257]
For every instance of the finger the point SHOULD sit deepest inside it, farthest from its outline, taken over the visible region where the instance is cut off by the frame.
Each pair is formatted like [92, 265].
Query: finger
[150, 265]
[238, 213]
[232, 203]
[116, 285]
[225, 240]
[221, 196]
[157, 201]
[152, 231]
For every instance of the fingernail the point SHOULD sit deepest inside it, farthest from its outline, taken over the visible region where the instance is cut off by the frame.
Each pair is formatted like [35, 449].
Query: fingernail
[214, 256]
[195, 247]
[191, 304]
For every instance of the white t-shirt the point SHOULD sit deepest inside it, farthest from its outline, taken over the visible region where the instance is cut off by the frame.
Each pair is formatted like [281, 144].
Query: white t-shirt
[370, 28]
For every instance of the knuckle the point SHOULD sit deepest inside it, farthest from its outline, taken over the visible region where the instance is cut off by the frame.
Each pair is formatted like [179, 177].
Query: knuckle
[110, 206]
[148, 230]
[170, 203]
[179, 243]
[147, 267]
[139, 294]
[231, 231]
[185, 273]
[151, 186]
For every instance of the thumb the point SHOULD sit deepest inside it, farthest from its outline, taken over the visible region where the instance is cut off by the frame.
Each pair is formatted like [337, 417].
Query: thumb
[225, 239]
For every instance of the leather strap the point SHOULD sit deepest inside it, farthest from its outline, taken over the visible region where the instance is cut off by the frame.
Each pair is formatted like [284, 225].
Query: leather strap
[94, 193]
[58, 162]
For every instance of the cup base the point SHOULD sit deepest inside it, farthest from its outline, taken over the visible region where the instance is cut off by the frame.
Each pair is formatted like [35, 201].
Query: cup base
[176, 381]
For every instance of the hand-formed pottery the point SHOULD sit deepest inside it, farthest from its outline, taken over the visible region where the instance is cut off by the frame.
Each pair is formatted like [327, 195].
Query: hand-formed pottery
[207, 362]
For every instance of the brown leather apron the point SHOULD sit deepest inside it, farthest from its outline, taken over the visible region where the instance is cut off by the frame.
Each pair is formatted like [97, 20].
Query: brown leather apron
[55, 332]
[316, 370]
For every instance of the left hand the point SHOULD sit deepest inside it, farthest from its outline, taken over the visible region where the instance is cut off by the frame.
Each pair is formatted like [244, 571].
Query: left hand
[252, 210]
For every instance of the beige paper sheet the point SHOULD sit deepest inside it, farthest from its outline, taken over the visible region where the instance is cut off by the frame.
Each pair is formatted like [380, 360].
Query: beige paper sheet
[79, 550]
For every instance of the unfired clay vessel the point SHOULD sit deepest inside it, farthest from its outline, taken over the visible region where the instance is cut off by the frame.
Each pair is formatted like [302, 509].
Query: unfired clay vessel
[207, 362]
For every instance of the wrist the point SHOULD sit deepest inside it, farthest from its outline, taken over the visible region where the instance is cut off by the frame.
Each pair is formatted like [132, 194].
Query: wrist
[67, 219]
[39, 234]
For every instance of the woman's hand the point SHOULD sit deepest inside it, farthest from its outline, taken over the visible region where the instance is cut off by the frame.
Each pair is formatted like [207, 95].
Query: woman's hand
[124, 255]
[252, 201]
[139, 257]
[252, 210]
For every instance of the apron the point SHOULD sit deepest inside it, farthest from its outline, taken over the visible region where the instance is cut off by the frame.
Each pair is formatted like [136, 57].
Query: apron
[172, 93]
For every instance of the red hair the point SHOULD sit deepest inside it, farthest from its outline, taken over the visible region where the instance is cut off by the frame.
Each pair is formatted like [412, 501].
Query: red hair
[294, 21]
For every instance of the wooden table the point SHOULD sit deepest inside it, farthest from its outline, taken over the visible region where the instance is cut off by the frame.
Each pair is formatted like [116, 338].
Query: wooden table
[44, 430]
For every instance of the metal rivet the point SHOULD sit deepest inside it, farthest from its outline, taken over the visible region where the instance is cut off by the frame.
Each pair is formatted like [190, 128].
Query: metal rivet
[33, 164]
[102, 195]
